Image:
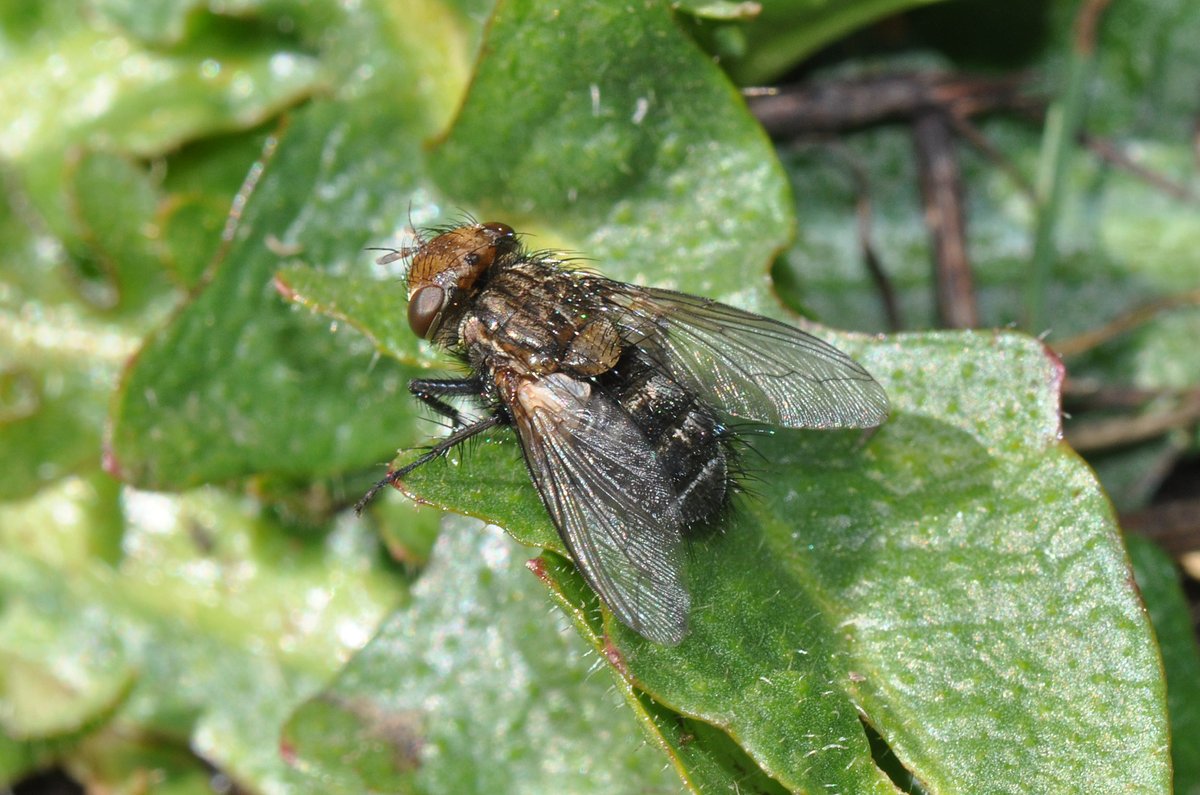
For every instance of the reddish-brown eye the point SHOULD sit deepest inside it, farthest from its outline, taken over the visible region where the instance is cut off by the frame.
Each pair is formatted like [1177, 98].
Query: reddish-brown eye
[499, 229]
[423, 309]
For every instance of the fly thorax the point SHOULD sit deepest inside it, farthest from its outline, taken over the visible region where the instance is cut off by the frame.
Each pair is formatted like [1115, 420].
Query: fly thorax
[593, 349]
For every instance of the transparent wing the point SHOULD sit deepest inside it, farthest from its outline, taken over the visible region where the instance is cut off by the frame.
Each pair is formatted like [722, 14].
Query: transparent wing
[748, 365]
[609, 499]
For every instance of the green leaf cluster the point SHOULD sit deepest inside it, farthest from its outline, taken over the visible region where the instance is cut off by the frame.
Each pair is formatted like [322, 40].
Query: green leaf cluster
[201, 369]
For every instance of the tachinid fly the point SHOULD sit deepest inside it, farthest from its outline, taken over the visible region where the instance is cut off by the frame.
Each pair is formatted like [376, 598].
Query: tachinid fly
[618, 395]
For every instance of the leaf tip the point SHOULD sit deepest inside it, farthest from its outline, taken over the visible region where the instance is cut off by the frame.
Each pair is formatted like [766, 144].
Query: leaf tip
[287, 752]
[1058, 376]
[538, 567]
[108, 458]
[284, 288]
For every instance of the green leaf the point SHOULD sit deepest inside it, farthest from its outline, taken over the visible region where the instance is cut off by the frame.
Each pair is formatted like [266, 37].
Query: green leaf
[125, 97]
[64, 668]
[632, 170]
[213, 624]
[509, 678]
[785, 32]
[79, 107]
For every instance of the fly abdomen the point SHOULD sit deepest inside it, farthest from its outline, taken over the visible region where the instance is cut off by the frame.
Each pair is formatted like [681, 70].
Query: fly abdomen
[686, 436]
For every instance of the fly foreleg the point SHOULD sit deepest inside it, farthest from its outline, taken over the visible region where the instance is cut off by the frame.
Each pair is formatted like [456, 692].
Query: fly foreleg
[458, 437]
[430, 391]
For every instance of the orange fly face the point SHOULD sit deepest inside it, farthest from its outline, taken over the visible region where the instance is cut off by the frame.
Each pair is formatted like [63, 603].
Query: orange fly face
[449, 265]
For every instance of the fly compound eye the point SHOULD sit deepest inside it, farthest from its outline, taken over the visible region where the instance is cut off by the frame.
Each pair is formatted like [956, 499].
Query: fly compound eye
[423, 309]
[500, 230]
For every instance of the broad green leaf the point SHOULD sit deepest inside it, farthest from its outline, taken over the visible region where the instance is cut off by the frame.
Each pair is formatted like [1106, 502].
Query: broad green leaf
[211, 626]
[509, 678]
[78, 107]
[106, 91]
[619, 149]
[785, 32]
[219, 82]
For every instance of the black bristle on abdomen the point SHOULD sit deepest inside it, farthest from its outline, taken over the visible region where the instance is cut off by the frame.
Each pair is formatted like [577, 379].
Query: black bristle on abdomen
[686, 435]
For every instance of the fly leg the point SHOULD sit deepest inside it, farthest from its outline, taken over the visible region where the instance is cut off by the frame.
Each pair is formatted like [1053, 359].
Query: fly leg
[430, 391]
[458, 437]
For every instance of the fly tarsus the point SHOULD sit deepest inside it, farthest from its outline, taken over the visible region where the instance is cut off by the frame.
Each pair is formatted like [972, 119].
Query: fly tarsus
[439, 449]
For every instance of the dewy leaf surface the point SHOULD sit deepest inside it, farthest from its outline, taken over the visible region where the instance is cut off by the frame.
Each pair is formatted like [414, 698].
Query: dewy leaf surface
[80, 107]
[207, 626]
[508, 677]
[103, 89]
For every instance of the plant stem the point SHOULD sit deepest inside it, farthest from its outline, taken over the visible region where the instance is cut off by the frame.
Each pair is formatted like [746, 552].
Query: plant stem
[1063, 121]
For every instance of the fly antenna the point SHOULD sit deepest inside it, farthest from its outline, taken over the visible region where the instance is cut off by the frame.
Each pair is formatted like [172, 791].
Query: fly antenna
[393, 254]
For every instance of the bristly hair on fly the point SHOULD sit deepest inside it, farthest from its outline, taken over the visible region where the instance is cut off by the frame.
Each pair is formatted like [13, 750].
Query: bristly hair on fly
[626, 401]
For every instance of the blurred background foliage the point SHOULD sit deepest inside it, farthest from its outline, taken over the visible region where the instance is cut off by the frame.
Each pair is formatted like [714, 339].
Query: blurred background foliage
[187, 606]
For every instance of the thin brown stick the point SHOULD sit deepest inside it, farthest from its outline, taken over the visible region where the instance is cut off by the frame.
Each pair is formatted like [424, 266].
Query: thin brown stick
[883, 282]
[1112, 154]
[841, 105]
[1095, 394]
[1086, 25]
[941, 194]
[977, 139]
[1121, 431]
[862, 206]
[1108, 151]
[1173, 525]
[1160, 466]
[1135, 317]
